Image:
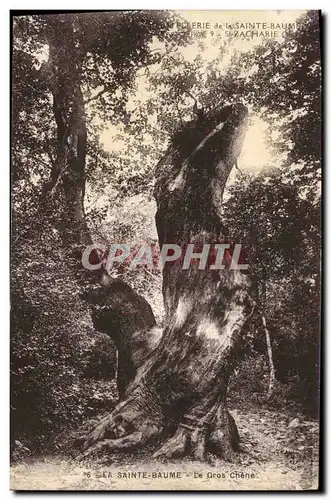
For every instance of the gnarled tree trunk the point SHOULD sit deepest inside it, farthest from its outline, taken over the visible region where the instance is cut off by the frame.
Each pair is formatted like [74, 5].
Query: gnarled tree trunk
[180, 386]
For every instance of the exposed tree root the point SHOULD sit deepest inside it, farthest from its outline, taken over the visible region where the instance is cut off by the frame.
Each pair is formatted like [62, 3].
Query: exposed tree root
[196, 440]
[174, 447]
[224, 438]
[130, 425]
[127, 428]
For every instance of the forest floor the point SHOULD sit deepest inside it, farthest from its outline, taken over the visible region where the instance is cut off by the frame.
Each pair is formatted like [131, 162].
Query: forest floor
[280, 453]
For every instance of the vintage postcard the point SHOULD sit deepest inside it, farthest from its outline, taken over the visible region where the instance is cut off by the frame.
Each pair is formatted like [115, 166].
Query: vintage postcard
[165, 250]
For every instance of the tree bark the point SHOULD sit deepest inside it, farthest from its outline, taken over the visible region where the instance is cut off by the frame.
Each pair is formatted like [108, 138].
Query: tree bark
[260, 297]
[63, 193]
[272, 376]
[272, 371]
[180, 387]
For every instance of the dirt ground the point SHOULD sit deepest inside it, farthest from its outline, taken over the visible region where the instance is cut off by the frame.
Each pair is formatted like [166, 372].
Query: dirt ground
[280, 453]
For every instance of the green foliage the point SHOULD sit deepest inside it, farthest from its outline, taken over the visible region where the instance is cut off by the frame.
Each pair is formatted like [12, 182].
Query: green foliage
[62, 371]
[280, 233]
[59, 375]
[286, 87]
[278, 226]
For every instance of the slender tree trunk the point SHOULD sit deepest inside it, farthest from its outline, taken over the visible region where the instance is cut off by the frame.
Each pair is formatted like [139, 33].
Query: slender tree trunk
[63, 194]
[179, 391]
[272, 376]
[260, 299]
[272, 371]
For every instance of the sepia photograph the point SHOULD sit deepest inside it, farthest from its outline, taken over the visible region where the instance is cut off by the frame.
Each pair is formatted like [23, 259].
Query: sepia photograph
[165, 288]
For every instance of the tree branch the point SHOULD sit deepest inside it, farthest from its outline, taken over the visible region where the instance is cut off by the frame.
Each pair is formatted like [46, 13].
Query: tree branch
[96, 96]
